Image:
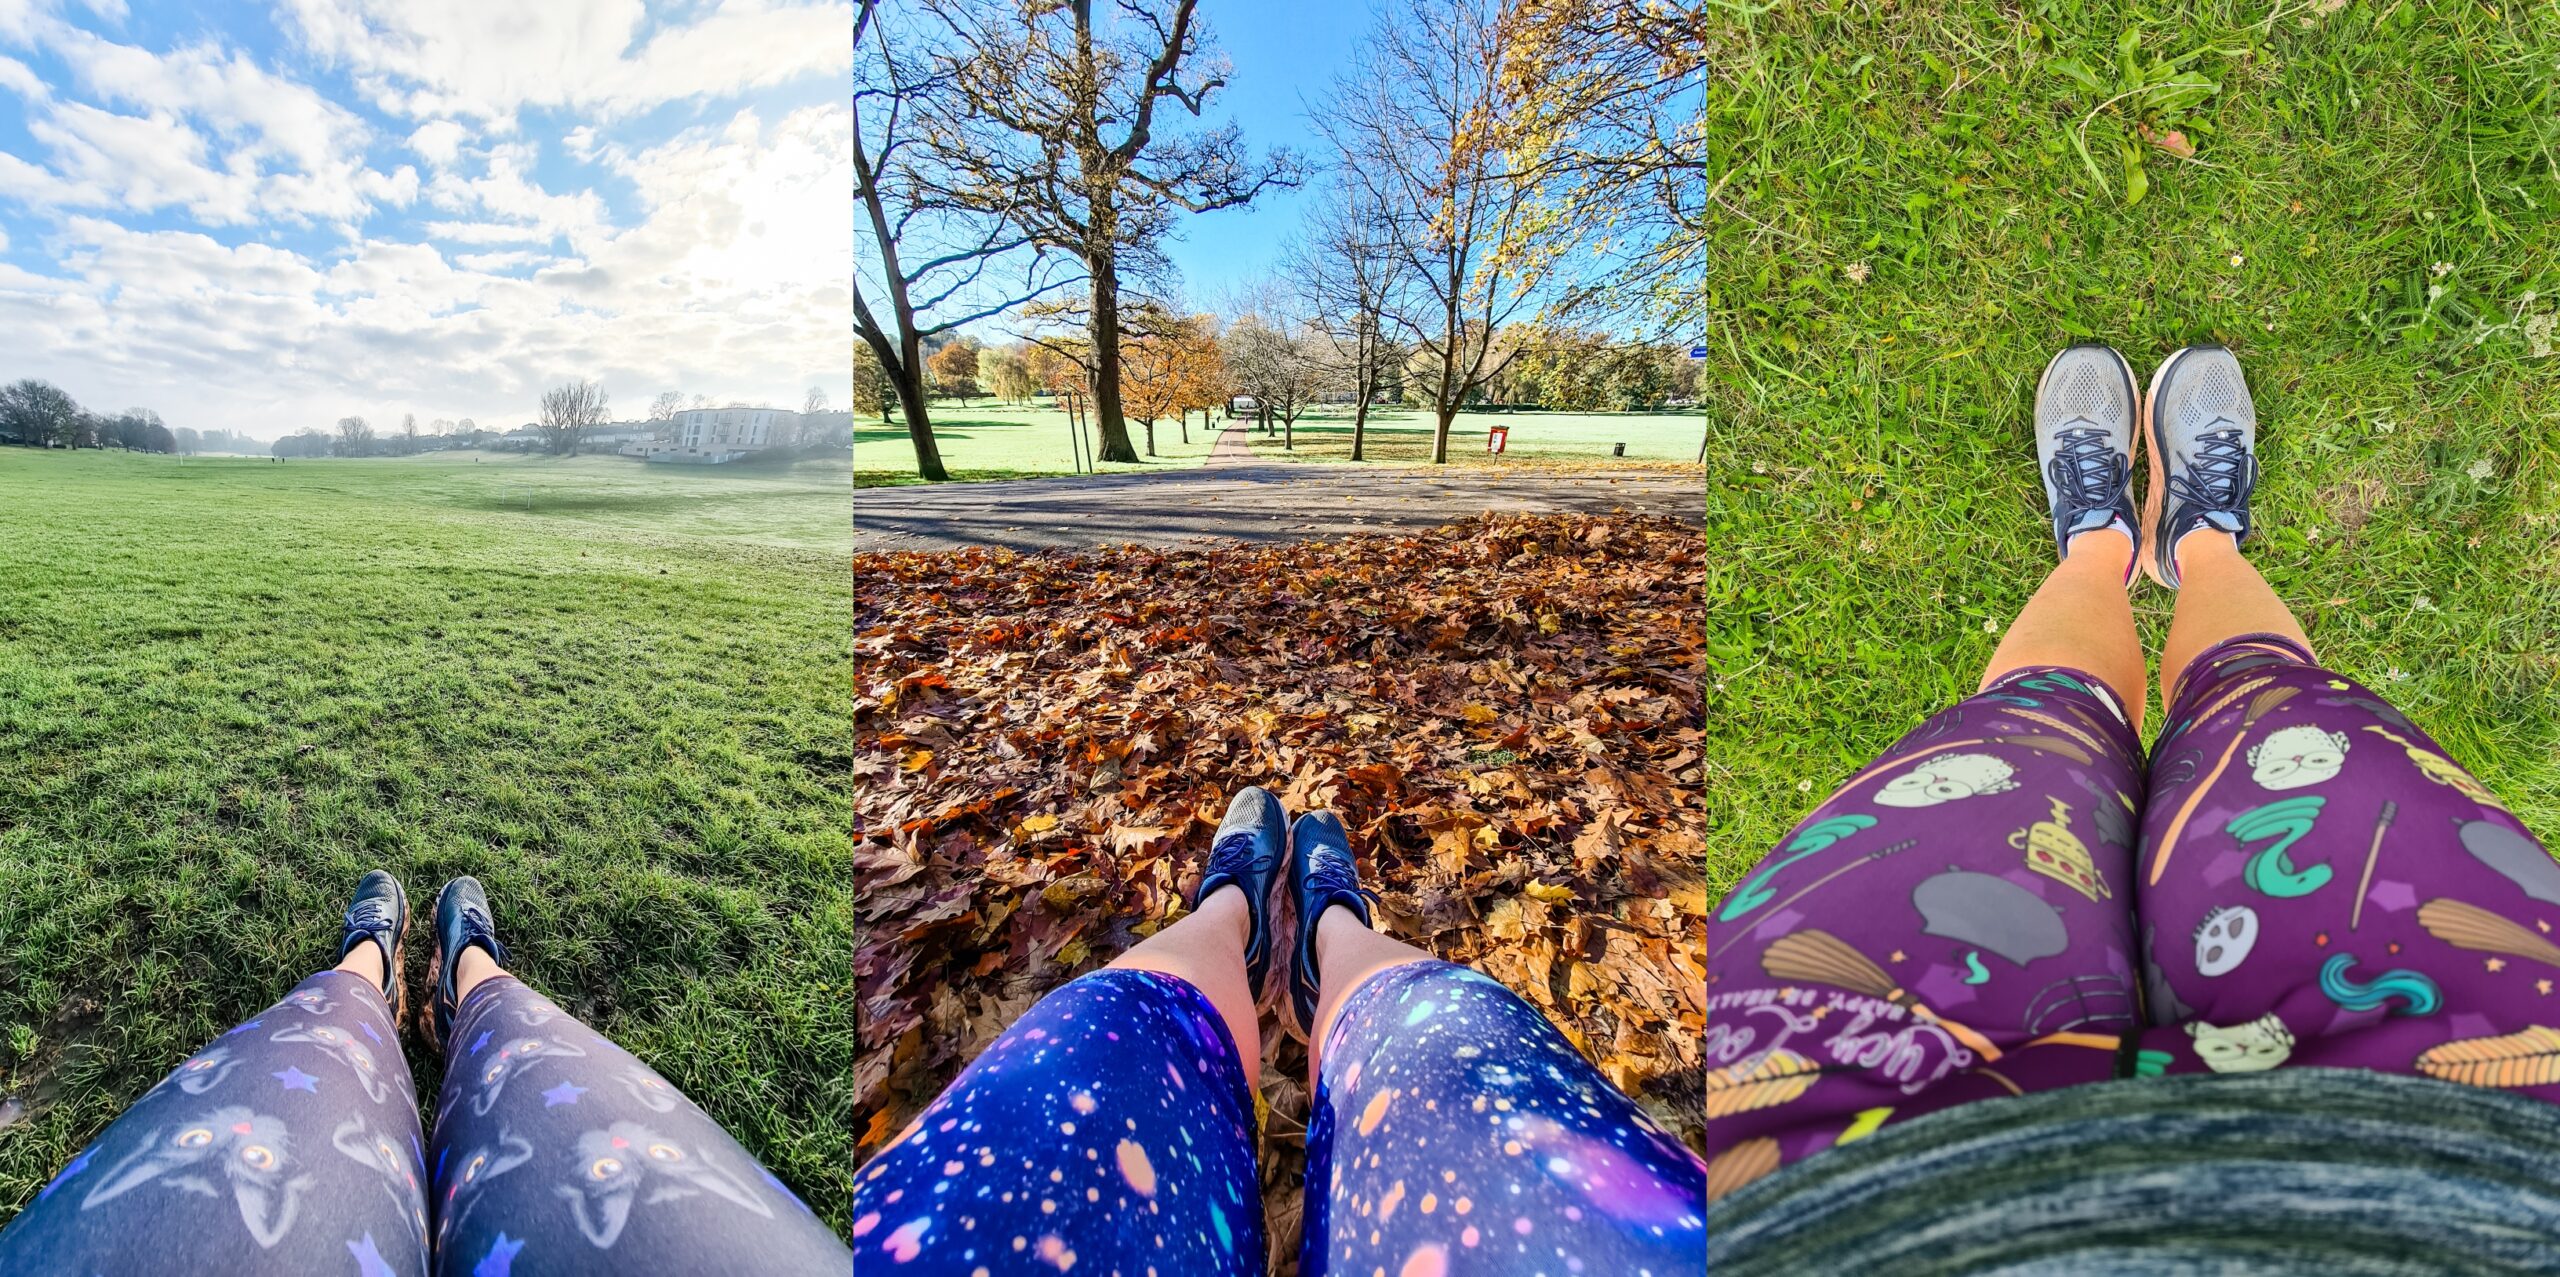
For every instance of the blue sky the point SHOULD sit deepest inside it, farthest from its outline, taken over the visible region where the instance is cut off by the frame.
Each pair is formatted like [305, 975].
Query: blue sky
[267, 216]
[1285, 56]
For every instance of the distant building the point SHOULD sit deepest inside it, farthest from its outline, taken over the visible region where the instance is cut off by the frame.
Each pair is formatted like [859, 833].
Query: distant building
[710, 436]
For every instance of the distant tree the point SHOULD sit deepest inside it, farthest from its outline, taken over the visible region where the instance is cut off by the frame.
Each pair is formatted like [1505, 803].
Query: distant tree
[569, 413]
[39, 413]
[1275, 365]
[304, 443]
[1345, 276]
[1155, 365]
[955, 370]
[873, 392]
[700, 402]
[665, 406]
[813, 403]
[409, 433]
[355, 437]
[1005, 375]
[1051, 121]
[468, 429]
[187, 439]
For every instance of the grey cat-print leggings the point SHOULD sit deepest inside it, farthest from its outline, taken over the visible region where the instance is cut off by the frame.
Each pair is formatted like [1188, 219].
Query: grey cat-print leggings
[292, 1144]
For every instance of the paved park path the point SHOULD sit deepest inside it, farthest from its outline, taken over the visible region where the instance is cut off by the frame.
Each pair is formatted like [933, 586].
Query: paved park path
[1234, 495]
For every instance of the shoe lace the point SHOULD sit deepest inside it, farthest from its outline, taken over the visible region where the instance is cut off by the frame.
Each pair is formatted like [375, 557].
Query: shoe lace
[2218, 473]
[369, 915]
[2087, 468]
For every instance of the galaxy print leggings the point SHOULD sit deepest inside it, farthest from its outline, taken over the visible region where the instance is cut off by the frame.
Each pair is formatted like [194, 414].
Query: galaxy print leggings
[1111, 1130]
[291, 1144]
[2012, 900]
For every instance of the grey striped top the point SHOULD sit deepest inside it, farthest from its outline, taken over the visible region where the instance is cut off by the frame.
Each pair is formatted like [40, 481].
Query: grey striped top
[2331, 1171]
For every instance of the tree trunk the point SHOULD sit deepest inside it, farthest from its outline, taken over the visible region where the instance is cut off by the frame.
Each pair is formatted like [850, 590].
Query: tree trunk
[1447, 413]
[1289, 432]
[1151, 436]
[1105, 331]
[919, 427]
[1186, 427]
[1360, 427]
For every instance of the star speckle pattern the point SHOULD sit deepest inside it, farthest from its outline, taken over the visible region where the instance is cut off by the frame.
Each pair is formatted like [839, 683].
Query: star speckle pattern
[1109, 1128]
[1483, 1099]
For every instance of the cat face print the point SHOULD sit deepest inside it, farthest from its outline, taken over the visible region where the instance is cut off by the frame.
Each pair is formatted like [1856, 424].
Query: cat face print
[202, 1072]
[378, 1153]
[471, 1172]
[231, 1147]
[2254, 1047]
[2292, 757]
[343, 1045]
[500, 1063]
[307, 1001]
[1946, 778]
[615, 1163]
[652, 1091]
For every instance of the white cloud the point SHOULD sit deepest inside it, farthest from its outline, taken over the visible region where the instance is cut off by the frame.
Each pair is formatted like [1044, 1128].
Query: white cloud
[18, 78]
[487, 58]
[438, 142]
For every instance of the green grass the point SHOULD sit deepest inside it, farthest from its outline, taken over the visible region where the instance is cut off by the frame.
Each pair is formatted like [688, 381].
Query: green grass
[1904, 229]
[997, 441]
[616, 694]
[1403, 436]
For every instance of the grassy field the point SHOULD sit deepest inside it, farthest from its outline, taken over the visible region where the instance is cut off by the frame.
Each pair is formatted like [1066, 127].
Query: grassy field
[1404, 436]
[618, 695]
[998, 441]
[1904, 229]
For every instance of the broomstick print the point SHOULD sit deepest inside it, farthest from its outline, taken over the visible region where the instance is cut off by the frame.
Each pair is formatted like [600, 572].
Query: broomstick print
[1819, 957]
[2528, 1058]
[2265, 701]
[1808, 889]
[2466, 926]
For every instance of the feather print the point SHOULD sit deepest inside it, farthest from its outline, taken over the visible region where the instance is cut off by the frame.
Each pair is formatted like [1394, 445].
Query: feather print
[1767, 1082]
[2529, 1058]
[1741, 1164]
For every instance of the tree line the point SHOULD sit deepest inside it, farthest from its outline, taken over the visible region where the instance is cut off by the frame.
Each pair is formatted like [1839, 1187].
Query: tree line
[1499, 171]
[39, 414]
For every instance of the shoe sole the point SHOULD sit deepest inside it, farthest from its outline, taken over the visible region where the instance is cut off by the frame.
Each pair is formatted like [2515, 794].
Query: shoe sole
[2150, 550]
[2133, 390]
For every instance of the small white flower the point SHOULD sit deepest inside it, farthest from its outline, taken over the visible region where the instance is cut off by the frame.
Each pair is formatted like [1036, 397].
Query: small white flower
[2395, 674]
[1804, 787]
[2481, 469]
[2383, 426]
[1759, 467]
[2311, 534]
[1990, 626]
[2237, 258]
[1856, 271]
[2425, 603]
[2442, 269]
[2434, 291]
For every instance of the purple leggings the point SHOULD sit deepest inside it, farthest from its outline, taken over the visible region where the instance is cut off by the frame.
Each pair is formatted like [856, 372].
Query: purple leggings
[1974, 916]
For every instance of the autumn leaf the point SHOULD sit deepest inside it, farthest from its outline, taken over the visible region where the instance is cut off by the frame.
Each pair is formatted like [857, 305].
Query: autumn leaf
[1548, 892]
[917, 761]
[1480, 713]
[1039, 824]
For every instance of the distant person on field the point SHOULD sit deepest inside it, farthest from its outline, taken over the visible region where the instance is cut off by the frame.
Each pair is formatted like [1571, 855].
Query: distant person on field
[2276, 994]
[1111, 1129]
[291, 1144]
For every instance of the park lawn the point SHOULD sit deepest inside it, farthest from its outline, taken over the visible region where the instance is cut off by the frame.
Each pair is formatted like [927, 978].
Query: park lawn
[1403, 436]
[1904, 233]
[618, 694]
[993, 440]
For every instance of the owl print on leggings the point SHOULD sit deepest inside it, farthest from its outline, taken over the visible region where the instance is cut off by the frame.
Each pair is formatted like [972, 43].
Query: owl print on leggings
[615, 1163]
[232, 1147]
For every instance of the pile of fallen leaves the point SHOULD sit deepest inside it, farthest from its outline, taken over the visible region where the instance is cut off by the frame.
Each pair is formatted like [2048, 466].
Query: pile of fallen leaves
[1505, 713]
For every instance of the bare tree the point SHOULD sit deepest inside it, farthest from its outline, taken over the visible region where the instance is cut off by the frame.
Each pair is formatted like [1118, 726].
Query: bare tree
[1344, 269]
[662, 409]
[1052, 122]
[409, 433]
[355, 437]
[569, 412]
[813, 403]
[1409, 125]
[1272, 360]
[937, 261]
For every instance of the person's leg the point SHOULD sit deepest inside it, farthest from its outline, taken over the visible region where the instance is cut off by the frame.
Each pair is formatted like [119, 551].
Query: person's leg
[1205, 949]
[558, 1152]
[1454, 1129]
[2223, 598]
[2081, 618]
[290, 1144]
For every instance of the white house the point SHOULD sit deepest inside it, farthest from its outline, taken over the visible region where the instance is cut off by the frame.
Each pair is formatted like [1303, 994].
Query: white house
[709, 436]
